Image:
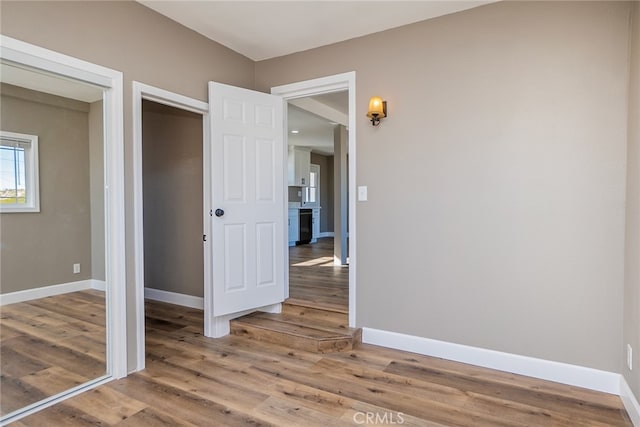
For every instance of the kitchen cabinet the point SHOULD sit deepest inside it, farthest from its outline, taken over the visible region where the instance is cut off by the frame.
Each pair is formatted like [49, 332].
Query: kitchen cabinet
[298, 166]
[294, 227]
[315, 229]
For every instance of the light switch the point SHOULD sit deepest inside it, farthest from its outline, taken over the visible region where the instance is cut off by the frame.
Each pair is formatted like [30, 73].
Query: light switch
[362, 193]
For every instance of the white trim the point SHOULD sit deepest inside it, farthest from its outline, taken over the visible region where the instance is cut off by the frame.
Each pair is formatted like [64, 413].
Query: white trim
[142, 91]
[630, 402]
[174, 298]
[98, 285]
[325, 234]
[49, 291]
[338, 82]
[111, 81]
[221, 325]
[564, 373]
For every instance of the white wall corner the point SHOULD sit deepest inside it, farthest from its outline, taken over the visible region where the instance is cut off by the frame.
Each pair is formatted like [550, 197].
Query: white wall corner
[564, 373]
[630, 402]
[174, 298]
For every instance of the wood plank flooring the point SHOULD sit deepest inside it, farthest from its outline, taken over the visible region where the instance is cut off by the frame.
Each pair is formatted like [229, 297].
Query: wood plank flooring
[315, 318]
[191, 380]
[299, 331]
[49, 345]
[313, 279]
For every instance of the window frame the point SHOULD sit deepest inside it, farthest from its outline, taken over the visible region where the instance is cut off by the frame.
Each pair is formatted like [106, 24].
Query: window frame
[307, 189]
[32, 177]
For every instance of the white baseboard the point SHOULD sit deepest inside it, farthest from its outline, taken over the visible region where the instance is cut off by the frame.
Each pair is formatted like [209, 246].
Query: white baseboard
[564, 373]
[325, 234]
[174, 298]
[630, 402]
[98, 285]
[51, 290]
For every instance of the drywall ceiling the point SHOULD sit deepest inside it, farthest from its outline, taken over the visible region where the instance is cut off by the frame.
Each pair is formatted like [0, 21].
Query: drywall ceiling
[314, 119]
[48, 83]
[314, 131]
[267, 29]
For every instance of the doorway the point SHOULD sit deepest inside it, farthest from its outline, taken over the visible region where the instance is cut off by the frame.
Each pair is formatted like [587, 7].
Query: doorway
[318, 266]
[169, 183]
[316, 95]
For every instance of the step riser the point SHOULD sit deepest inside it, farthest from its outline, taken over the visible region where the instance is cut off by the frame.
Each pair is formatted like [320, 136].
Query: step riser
[301, 328]
[316, 305]
[295, 342]
[315, 315]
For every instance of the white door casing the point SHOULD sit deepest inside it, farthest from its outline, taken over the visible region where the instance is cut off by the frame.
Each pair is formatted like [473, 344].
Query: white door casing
[247, 175]
[335, 83]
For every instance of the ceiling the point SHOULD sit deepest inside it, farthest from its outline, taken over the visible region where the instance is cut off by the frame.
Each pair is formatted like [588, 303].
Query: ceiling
[314, 118]
[267, 29]
[48, 83]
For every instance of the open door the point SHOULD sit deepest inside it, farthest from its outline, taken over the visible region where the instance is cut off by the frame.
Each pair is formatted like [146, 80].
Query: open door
[248, 206]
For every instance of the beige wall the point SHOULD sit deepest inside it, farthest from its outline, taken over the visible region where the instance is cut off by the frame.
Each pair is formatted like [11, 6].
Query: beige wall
[508, 127]
[96, 183]
[326, 190]
[146, 47]
[632, 247]
[496, 186]
[173, 205]
[39, 249]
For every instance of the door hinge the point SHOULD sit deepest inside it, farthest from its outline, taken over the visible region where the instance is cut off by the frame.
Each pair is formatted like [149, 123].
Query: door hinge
[204, 237]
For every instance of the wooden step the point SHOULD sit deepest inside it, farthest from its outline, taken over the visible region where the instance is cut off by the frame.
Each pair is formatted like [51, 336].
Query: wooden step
[300, 332]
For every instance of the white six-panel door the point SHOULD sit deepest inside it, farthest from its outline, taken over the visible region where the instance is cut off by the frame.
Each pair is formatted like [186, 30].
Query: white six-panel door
[248, 186]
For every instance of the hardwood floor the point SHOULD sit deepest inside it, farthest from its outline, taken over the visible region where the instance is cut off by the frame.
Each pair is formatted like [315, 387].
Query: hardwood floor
[191, 380]
[49, 345]
[313, 279]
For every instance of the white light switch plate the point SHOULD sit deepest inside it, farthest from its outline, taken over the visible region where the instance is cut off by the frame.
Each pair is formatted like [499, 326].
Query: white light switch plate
[362, 193]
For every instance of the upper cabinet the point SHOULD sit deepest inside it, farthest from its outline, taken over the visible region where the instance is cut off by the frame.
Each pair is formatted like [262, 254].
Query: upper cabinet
[299, 161]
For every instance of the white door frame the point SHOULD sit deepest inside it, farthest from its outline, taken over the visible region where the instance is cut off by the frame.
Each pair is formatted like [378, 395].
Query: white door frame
[111, 82]
[335, 83]
[142, 91]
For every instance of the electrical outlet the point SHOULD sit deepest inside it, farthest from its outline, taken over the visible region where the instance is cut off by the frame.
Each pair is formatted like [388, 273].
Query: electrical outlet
[76, 268]
[629, 357]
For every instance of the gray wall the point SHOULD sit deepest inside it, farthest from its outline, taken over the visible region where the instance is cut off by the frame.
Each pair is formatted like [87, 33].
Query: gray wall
[173, 206]
[39, 249]
[146, 47]
[632, 247]
[96, 183]
[508, 122]
[497, 184]
[326, 190]
[293, 194]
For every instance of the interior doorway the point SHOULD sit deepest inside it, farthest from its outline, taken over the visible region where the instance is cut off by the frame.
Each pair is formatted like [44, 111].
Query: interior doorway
[172, 169]
[323, 271]
[318, 262]
[171, 189]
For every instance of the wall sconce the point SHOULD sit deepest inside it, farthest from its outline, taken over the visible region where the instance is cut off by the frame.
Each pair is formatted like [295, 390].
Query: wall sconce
[377, 110]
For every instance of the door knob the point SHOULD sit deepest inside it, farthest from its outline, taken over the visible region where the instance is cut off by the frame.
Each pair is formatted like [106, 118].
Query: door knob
[219, 212]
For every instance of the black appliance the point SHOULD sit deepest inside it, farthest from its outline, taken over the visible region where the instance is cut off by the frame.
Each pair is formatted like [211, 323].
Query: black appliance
[306, 226]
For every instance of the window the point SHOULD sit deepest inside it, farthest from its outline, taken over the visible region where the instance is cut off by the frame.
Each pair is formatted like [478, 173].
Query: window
[19, 173]
[312, 192]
